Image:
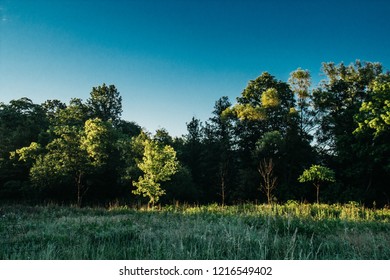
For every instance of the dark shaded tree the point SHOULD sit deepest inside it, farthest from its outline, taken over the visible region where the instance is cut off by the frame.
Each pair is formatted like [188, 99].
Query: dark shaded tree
[219, 152]
[190, 153]
[21, 122]
[338, 101]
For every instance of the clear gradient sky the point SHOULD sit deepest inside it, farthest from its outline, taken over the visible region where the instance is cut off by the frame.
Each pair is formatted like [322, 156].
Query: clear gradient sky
[172, 59]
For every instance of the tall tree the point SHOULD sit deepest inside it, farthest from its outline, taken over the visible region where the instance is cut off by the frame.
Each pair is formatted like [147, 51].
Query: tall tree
[373, 137]
[219, 151]
[264, 106]
[300, 82]
[21, 122]
[106, 103]
[338, 100]
[191, 154]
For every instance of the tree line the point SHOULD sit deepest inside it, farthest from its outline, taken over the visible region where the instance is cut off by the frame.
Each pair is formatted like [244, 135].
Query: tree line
[272, 145]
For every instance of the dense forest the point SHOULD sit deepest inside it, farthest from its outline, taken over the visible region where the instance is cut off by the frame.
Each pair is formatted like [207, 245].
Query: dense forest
[280, 141]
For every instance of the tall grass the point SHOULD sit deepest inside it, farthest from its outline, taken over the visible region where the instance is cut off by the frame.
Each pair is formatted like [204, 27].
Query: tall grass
[289, 231]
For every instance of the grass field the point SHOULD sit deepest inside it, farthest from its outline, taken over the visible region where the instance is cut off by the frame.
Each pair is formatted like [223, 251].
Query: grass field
[289, 231]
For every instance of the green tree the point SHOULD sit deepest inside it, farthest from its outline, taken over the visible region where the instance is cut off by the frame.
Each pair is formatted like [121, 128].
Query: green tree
[64, 158]
[159, 163]
[317, 174]
[71, 156]
[338, 101]
[75, 114]
[79, 144]
[219, 154]
[300, 82]
[373, 137]
[52, 107]
[264, 106]
[21, 122]
[105, 103]
[162, 137]
[191, 153]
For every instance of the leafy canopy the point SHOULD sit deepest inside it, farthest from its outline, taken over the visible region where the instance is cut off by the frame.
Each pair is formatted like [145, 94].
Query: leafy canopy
[316, 174]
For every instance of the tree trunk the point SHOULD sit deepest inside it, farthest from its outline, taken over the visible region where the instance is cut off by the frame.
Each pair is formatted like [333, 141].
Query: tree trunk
[222, 173]
[223, 191]
[318, 193]
[269, 195]
[80, 189]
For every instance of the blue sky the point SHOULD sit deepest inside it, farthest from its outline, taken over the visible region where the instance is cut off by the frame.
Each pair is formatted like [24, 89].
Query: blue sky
[171, 60]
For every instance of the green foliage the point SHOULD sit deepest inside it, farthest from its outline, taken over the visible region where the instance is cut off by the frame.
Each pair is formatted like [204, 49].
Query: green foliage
[270, 98]
[96, 140]
[270, 145]
[27, 153]
[75, 114]
[159, 163]
[263, 99]
[60, 146]
[339, 99]
[317, 173]
[266, 108]
[248, 112]
[375, 113]
[300, 81]
[162, 137]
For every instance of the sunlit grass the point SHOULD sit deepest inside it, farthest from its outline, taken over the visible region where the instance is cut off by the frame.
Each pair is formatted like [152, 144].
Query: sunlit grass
[247, 231]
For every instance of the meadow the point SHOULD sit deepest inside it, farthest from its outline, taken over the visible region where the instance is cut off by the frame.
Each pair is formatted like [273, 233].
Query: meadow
[289, 231]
